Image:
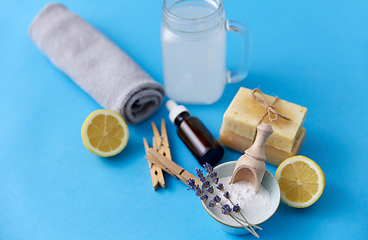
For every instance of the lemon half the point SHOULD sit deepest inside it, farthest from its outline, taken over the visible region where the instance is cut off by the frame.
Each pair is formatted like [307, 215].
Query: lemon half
[105, 133]
[301, 181]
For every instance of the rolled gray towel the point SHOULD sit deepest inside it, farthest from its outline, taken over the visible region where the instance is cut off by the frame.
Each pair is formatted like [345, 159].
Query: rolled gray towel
[95, 63]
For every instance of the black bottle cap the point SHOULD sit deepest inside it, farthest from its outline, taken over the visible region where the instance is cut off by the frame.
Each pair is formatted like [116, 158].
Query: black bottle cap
[212, 156]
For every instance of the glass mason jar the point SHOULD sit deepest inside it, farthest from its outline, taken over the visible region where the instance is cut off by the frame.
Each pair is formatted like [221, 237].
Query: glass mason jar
[193, 41]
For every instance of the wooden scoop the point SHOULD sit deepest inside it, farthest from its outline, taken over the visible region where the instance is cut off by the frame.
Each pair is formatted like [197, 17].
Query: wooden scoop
[251, 165]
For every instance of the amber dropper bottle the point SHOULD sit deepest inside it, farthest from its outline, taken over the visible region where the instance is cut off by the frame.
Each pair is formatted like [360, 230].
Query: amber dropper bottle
[195, 135]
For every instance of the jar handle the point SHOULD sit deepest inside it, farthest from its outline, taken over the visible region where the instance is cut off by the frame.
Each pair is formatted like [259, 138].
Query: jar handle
[242, 72]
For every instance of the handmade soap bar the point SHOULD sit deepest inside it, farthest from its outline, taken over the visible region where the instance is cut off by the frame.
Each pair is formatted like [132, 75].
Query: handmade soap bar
[274, 156]
[244, 113]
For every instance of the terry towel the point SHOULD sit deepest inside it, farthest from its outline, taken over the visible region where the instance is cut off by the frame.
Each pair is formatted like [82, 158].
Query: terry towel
[95, 63]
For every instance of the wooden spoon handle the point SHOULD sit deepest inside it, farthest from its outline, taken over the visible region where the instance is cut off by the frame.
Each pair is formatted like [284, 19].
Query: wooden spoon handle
[257, 150]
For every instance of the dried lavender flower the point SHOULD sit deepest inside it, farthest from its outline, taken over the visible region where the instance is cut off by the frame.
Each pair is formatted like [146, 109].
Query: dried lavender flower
[191, 182]
[199, 192]
[213, 175]
[208, 167]
[210, 189]
[206, 184]
[204, 197]
[220, 187]
[217, 199]
[236, 208]
[227, 195]
[199, 173]
[211, 203]
[226, 209]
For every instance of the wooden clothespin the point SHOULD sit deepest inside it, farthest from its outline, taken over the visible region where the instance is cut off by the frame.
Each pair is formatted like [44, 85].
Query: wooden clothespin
[161, 146]
[159, 158]
[170, 167]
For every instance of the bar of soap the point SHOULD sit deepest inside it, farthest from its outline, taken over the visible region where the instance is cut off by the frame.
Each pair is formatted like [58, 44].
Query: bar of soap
[244, 113]
[274, 156]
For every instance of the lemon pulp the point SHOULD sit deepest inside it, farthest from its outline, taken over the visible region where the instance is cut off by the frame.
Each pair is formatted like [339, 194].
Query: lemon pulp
[301, 181]
[105, 133]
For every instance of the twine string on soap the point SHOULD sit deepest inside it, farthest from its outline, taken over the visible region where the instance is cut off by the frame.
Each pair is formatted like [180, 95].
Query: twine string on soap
[273, 115]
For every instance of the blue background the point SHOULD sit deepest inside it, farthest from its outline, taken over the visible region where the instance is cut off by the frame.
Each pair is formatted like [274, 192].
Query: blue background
[313, 53]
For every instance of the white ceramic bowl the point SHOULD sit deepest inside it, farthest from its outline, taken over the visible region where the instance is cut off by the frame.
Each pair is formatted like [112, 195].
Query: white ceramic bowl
[269, 182]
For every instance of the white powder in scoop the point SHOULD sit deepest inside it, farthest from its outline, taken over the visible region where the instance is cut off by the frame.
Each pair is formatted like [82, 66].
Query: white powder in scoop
[254, 206]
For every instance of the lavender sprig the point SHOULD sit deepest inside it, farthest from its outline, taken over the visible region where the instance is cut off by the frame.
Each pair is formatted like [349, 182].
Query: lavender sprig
[217, 199]
[225, 209]
[213, 175]
[204, 198]
[206, 184]
[220, 187]
[208, 167]
[191, 184]
[199, 193]
[227, 195]
[200, 175]
[199, 172]
[211, 203]
[236, 208]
